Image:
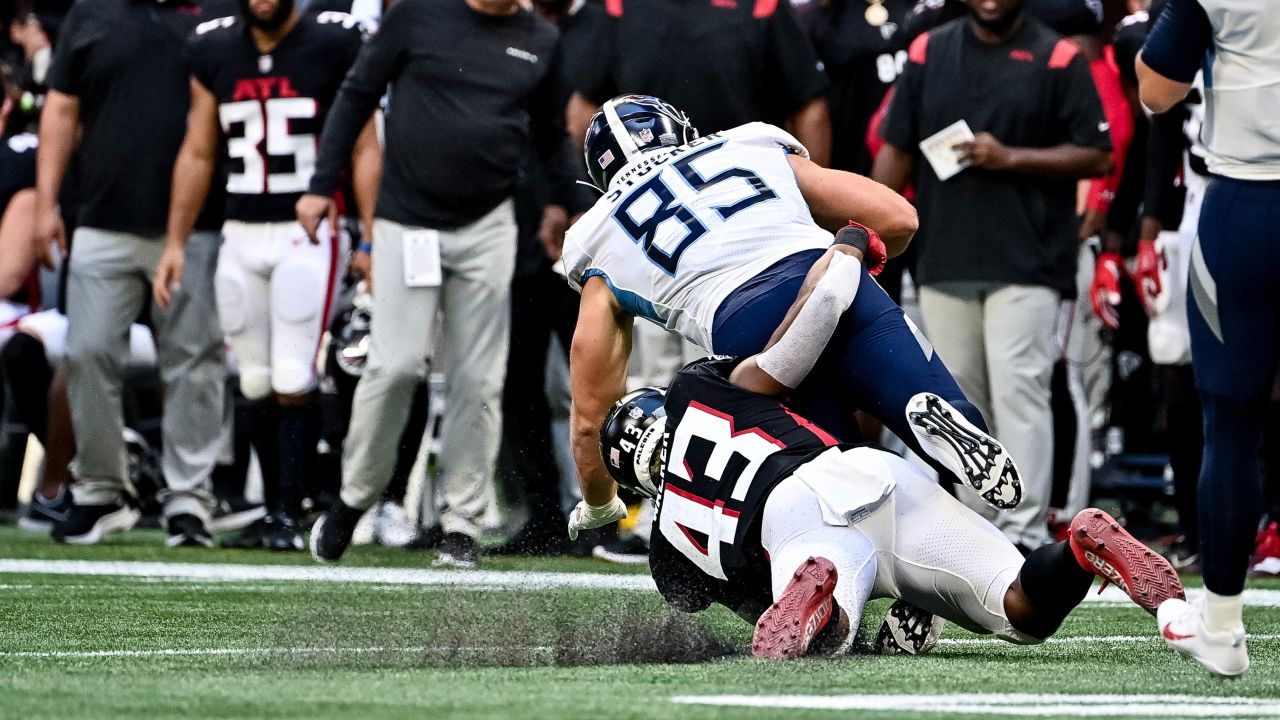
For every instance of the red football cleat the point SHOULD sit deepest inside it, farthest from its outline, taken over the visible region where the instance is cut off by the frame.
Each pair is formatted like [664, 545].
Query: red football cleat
[1107, 550]
[785, 630]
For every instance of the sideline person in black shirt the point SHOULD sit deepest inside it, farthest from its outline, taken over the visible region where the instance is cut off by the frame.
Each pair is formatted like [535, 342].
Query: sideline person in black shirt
[724, 63]
[119, 81]
[472, 85]
[997, 241]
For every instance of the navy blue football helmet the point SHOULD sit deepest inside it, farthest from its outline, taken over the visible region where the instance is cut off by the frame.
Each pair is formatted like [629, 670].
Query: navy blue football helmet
[631, 440]
[628, 126]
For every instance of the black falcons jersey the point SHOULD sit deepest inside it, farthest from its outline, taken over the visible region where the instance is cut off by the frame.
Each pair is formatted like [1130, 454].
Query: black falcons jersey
[726, 449]
[271, 107]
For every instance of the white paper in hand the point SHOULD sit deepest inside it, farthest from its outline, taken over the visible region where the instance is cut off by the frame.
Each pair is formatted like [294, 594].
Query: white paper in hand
[939, 149]
[422, 258]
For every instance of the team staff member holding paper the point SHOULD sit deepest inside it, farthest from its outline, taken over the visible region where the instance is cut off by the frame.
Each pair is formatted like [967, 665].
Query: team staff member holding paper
[470, 83]
[1007, 119]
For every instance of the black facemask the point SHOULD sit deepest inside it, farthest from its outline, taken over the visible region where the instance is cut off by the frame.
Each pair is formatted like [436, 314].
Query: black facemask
[1000, 25]
[277, 18]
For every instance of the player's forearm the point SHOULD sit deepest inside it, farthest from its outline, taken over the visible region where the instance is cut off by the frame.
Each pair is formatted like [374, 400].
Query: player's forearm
[1064, 161]
[366, 173]
[811, 125]
[59, 123]
[597, 487]
[192, 174]
[835, 197]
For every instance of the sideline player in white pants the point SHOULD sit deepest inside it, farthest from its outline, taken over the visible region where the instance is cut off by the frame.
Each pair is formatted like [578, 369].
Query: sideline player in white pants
[263, 83]
[758, 505]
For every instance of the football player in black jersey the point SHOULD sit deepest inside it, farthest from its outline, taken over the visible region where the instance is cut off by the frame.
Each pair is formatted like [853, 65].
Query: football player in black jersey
[764, 512]
[261, 86]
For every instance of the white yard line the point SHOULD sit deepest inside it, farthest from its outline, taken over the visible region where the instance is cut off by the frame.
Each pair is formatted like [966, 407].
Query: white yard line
[1017, 705]
[198, 652]
[478, 579]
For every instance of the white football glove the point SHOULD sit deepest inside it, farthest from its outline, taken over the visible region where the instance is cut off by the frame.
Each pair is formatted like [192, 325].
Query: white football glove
[586, 517]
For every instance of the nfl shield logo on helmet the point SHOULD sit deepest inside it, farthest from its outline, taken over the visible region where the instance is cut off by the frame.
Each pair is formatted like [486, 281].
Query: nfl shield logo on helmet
[636, 413]
[645, 135]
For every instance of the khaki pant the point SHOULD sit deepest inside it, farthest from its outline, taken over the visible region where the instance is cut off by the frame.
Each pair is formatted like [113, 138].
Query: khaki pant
[108, 284]
[478, 261]
[998, 341]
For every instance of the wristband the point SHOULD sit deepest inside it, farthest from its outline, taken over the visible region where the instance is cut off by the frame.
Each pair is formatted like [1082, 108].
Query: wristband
[364, 247]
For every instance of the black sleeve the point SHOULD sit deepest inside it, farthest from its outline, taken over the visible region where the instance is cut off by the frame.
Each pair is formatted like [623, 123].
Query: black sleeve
[901, 126]
[69, 52]
[377, 63]
[1078, 108]
[546, 120]
[1161, 197]
[198, 59]
[593, 75]
[793, 62]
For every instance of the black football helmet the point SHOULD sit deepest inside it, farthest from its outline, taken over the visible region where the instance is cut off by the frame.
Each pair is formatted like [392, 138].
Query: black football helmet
[629, 126]
[631, 440]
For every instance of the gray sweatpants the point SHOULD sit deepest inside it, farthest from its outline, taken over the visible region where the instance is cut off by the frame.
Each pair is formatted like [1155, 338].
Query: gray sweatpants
[998, 341]
[108, 284]
[475, 297]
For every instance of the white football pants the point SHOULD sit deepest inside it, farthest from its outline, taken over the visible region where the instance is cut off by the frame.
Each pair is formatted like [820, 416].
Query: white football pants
[275, 290]
[919, 544]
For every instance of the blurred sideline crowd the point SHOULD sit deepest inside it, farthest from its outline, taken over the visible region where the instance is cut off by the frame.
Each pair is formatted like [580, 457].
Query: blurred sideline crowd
[125, 404]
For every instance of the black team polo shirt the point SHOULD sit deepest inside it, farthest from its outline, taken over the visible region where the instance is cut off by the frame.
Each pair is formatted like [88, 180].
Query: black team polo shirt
[1033, 91]
[725, 63]
[126, 62]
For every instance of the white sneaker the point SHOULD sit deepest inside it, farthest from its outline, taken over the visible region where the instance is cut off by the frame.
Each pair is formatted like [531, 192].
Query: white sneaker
[393, 528]
[974, 456]
[1182, 625]
[364, 532]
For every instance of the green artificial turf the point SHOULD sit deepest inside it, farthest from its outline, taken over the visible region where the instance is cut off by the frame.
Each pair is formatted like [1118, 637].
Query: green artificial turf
[323, 649]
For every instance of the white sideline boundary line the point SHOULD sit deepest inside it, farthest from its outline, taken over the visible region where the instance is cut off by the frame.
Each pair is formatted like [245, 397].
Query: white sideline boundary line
[471, 579]
[415, 649]
[1016, 705]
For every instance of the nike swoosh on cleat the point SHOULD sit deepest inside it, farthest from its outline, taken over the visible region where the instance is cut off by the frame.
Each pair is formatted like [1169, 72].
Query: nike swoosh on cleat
[1169, 634]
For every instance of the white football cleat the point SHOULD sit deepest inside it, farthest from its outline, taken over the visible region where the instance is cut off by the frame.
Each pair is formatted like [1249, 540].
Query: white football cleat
[1182, 626]
[974, 456]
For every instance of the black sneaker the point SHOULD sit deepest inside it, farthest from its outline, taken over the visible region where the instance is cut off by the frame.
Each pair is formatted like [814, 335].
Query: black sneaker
[87, 524]
[331, 535]
[187, 530]
[457, 550]
[252, 537]
[42, 514]
[283, 534]
[235, 513]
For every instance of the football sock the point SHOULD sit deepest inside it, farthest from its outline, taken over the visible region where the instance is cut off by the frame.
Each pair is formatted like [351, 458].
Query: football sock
[264, 430]
[298, 434]
[1230, 490]
[1054, 582]
[1223, 613]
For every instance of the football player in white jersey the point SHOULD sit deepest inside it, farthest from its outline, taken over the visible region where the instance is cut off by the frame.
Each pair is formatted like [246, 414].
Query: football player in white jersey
[712, 238]
[1233, 299]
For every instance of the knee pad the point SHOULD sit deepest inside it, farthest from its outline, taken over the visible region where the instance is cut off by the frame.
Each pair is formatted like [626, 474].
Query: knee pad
[229, 293]
[255, 382]
[293, 378]
[298, 292]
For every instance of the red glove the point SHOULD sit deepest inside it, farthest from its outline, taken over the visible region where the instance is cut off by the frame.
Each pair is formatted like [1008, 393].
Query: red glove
[1146, 273]
[868, 242]
[1104, 292]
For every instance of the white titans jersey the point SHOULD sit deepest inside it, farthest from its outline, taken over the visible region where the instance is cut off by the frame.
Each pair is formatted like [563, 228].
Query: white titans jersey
[1242, 89]
[681, 228]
